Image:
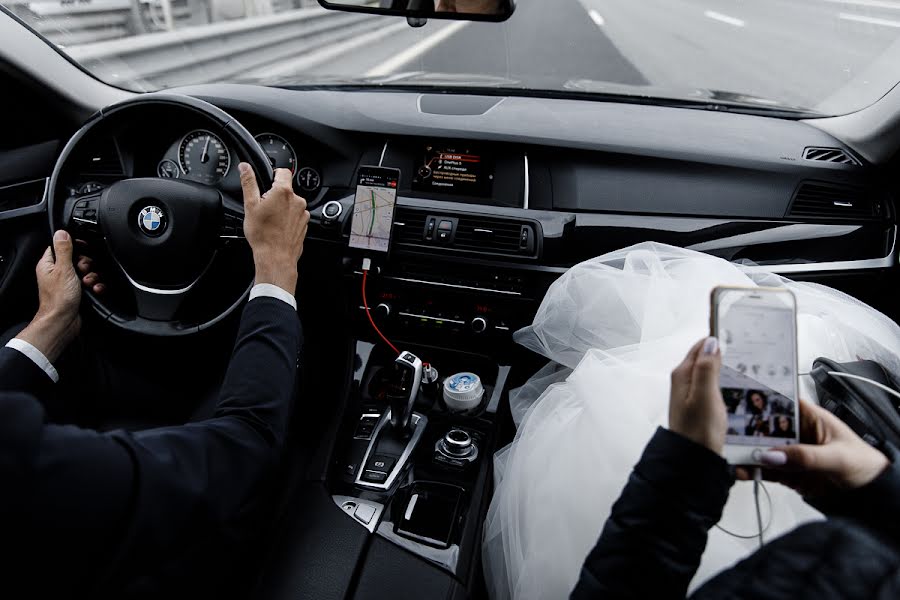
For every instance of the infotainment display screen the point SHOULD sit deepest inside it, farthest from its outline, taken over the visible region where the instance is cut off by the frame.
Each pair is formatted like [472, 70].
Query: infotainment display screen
[460, 170]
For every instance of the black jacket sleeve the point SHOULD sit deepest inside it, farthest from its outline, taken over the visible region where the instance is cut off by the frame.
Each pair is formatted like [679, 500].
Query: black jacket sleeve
[18, 373]
[873, 505]
[653, 540]
[93, 504]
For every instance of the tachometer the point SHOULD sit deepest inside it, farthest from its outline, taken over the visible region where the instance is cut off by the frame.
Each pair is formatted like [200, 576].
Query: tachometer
[279, 151]
[204, 157]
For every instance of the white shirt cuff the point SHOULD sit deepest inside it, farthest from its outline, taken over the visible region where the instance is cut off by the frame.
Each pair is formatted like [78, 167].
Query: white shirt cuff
[269, 290]
[36, 356]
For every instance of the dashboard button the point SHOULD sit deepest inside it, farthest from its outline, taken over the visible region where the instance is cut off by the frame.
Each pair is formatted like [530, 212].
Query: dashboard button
[381, 463]
[374, 476]
[479, 324]
[364, 513]
[332, 210]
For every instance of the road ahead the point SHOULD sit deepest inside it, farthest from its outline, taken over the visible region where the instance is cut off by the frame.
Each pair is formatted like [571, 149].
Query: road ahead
[798, 52]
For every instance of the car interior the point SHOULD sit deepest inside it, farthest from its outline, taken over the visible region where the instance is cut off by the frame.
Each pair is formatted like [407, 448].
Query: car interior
[384, 486]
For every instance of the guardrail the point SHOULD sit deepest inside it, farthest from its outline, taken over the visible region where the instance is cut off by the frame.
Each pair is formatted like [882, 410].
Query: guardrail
[218, 51]
[72, 22]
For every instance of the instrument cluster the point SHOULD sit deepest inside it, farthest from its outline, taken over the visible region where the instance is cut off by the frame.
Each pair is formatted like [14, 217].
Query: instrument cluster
[202, 156]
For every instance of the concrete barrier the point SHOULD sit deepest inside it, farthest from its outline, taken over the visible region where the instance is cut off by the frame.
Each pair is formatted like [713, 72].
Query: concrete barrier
[220, 50]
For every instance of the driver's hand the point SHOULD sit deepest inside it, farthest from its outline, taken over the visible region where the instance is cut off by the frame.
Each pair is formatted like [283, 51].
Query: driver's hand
[90, 279]
[59, 290]
[696, 408]
[275, 225]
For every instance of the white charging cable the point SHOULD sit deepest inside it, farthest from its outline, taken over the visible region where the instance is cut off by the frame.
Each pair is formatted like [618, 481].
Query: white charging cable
[866, 380]
[757, 482]
[762, 528]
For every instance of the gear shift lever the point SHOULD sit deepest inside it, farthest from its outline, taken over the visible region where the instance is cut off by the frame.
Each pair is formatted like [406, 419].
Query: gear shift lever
[405, 381]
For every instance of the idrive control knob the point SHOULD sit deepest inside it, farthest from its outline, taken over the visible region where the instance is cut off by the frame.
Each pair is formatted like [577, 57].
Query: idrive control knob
[458, 444]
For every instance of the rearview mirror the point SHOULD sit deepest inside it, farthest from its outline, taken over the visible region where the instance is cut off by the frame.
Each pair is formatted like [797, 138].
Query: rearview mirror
[461, 10]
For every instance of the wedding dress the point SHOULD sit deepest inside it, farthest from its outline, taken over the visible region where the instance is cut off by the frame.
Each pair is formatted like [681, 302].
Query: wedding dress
[613, 329]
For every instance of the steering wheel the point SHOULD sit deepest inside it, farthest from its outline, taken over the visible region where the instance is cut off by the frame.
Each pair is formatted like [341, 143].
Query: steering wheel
[163, 234]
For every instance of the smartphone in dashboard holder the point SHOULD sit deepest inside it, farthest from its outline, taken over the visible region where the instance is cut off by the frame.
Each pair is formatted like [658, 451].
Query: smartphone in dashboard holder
[372, 223]
[757, 333]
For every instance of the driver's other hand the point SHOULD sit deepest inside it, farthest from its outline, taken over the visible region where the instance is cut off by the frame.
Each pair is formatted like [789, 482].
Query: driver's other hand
[59, 288]
[90, 279]
[275, 226]
[696, 408]
[59, 291]
[830, 457]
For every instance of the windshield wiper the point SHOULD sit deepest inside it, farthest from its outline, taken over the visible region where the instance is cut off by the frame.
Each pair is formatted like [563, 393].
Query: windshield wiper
[697, 98]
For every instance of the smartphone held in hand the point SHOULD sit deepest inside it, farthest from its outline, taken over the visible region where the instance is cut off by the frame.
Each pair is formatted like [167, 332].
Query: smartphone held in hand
[757, 332]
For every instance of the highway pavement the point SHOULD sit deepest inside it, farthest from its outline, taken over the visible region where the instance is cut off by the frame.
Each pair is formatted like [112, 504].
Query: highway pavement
[796, 52]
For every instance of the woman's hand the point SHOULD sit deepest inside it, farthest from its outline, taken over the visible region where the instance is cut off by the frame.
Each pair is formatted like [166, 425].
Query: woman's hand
[696, 407]
[830, 457]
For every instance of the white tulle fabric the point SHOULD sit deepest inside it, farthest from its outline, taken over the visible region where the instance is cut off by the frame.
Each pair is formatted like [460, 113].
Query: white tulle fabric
[613, 328]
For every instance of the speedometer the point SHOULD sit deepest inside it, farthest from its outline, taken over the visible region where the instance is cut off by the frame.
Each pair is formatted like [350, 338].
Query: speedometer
[280, 153]
[203, 156]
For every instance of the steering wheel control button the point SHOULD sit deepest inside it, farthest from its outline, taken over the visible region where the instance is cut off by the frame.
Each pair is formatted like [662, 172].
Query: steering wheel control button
[463, 392]
[332, 210]
[152, 221]
[84, 214]
[232, 227]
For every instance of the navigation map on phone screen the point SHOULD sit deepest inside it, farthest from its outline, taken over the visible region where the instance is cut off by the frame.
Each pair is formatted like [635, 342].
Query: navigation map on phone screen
[759, 373]
[373, 209]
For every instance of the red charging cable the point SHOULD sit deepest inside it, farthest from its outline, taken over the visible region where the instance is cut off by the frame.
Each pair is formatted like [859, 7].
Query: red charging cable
[369, 314]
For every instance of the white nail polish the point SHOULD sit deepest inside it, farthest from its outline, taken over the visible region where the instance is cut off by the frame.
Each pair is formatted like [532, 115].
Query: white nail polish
[710, 346]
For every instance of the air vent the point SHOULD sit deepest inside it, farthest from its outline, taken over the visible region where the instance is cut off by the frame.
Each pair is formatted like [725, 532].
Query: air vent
[471, 233]
[823, 200]
[409, 227]
[102, 159]
[485, 234]
[830, 155]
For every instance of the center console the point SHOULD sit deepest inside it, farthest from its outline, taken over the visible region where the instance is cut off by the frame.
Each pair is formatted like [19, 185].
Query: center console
[419, 480]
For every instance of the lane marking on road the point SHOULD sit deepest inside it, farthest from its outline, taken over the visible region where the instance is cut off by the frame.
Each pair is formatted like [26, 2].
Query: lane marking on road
[870, 20]
[416, 50]
[870, 3]
[329, 52]
[596, 17]
[711, 14]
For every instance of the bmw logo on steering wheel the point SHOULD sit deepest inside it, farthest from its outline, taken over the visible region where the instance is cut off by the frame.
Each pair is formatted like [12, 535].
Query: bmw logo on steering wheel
[152, 220]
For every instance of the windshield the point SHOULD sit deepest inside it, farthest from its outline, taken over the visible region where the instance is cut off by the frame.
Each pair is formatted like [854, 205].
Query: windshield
[812, 57]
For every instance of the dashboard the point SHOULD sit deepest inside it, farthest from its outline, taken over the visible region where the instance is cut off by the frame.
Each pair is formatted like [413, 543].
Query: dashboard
[531, 186]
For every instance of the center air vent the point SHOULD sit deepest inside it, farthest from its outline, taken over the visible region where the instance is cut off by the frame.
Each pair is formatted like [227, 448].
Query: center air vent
[829, 201]
[466, 233]
[831, 155]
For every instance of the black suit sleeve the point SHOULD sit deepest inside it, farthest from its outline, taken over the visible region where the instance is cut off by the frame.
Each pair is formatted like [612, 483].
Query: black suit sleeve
[18, 373]
[127, 502]
[653, 540]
